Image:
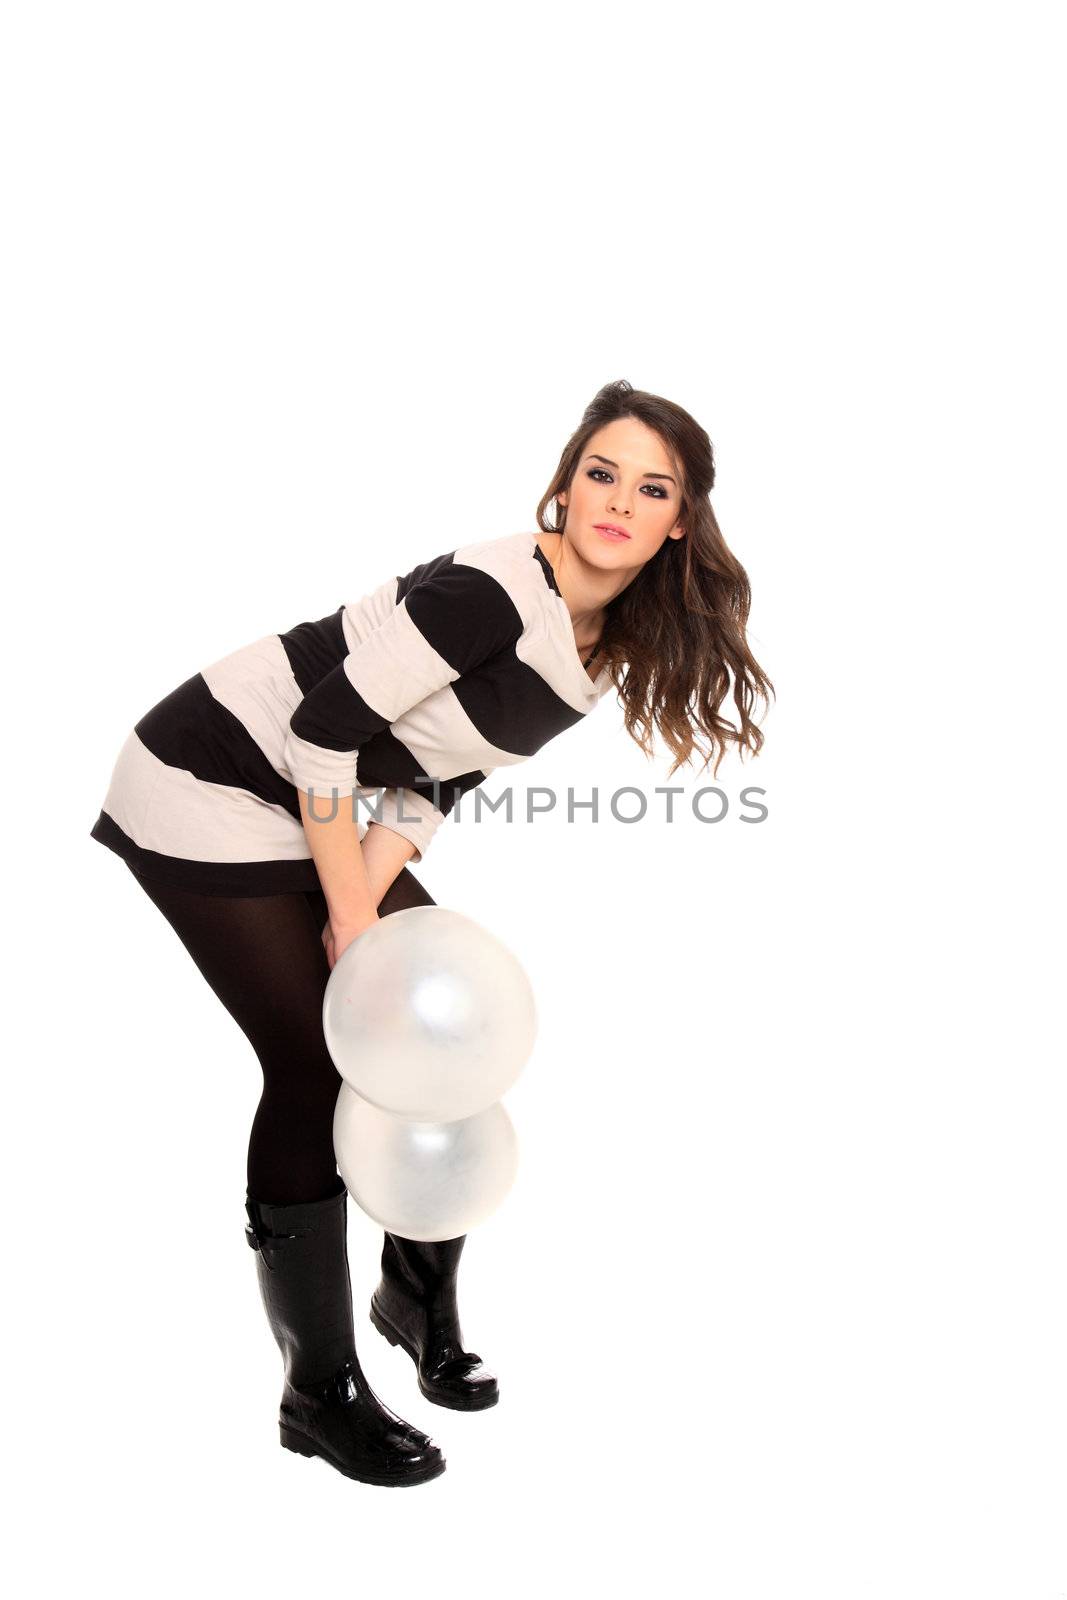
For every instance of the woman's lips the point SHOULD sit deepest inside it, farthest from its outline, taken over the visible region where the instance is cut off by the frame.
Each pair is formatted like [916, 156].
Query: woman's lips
[610, 533]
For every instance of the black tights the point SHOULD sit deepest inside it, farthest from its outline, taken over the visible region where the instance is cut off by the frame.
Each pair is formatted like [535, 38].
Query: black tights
[263, 956]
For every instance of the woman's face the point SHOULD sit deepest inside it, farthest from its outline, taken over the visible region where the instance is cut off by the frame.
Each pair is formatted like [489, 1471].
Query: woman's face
[624, 477]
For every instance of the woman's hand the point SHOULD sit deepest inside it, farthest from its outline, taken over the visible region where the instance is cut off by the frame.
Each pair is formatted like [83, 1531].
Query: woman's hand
[337, 936]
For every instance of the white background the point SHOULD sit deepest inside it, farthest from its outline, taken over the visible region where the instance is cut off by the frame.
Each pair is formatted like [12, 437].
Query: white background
[298, 296]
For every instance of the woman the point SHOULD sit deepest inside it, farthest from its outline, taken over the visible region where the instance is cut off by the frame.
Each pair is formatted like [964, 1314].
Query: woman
[227, 803]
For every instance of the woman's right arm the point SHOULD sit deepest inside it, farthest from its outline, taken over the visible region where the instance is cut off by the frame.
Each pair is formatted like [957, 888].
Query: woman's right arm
[448, 622]
[333, 839]
[385, 855]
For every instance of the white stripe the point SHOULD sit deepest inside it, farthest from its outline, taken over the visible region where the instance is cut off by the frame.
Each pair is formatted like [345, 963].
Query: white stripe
[444, 741]
[167, 809]
[396, 666]
[420, 831]
[256, 683]
[130, 789]
[552, 655]
[310, 766]
[362, 617]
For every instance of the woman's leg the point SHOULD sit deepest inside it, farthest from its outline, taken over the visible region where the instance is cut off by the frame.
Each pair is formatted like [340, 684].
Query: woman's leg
[263, 956]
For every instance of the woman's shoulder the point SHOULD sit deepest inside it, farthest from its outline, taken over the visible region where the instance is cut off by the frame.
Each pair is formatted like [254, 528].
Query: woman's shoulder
[479, 571]
[510, 556]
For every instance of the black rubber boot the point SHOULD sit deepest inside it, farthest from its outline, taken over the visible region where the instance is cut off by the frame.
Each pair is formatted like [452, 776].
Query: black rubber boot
[414, 1306]
[328, 1409]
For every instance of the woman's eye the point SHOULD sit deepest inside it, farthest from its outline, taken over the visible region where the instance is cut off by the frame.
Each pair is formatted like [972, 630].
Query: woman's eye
[660, 494]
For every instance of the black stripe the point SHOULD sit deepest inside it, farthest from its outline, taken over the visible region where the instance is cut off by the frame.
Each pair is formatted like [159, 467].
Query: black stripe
[315, 648]
[425, 569]
[336, 716]
[385, 762]
[241, 878]
[452, 788]
[389, 763]
[512, 706]
[190, 729]
[406, 774]
[465, 614]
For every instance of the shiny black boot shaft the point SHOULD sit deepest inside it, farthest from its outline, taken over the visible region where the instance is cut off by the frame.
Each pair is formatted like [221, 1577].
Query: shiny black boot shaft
[415, 1307]
[328, 1409]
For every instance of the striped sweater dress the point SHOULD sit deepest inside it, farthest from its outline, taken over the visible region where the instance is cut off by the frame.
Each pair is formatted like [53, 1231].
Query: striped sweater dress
[410, 696]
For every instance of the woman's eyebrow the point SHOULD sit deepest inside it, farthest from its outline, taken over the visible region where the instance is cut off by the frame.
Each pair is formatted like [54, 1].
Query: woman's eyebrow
[615, 464]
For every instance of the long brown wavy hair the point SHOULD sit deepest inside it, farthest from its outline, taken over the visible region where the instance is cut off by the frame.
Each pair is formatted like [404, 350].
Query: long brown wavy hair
[675, 634]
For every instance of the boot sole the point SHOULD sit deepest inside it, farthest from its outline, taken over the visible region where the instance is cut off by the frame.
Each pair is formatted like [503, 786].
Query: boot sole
[394, 1336]
[301, 1445]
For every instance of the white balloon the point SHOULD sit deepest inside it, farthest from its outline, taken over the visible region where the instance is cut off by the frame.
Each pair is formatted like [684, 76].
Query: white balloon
[427, 1015]
[424, 1180]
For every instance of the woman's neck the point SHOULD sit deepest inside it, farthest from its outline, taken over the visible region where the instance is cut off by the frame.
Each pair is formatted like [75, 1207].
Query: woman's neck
[582, 595]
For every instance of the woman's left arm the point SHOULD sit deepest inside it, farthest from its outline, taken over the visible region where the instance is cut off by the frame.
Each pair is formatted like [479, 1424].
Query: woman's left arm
[385, 854]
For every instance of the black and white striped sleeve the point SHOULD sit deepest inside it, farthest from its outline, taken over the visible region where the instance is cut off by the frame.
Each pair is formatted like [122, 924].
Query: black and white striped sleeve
[449, 621]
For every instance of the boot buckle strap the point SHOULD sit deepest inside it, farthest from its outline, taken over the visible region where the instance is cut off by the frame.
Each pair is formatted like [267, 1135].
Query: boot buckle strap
[260, 1229]
[265, 1242]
